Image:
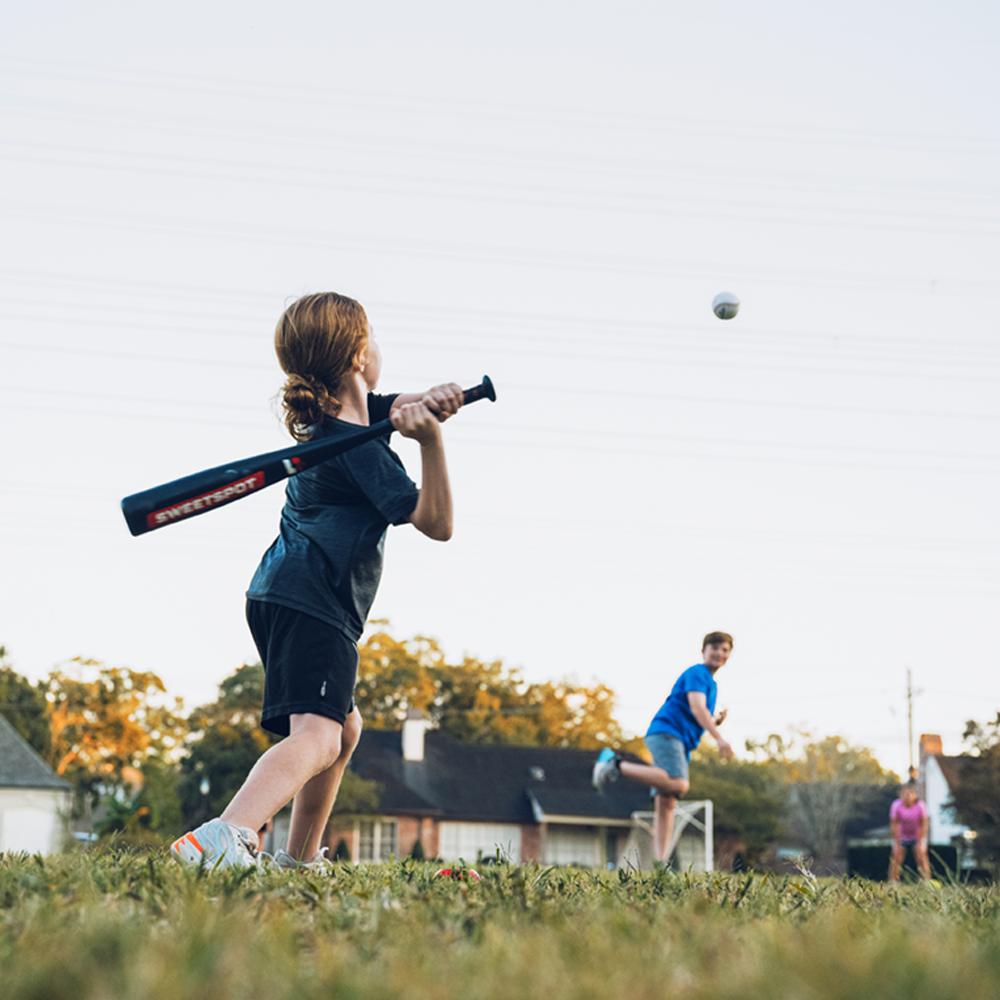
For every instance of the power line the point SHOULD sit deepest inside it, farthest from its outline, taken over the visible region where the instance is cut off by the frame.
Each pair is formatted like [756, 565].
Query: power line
[698, 173]
[668, 339]
[866, 540]
[644, 205]
[643, 332]
[212, 409]
[713, 363]
[513, 256]
[535, 443]
[621, 119]
[574, 164]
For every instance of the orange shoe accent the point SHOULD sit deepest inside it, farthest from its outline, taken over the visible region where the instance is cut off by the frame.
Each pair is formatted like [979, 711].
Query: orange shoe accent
[194, 840]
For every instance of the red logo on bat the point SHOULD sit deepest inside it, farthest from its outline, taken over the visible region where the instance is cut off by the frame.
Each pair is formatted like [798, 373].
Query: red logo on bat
[185, 508]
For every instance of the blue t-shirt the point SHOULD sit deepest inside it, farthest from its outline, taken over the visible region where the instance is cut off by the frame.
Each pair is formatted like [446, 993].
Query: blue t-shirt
[327, 558]
[675, 717]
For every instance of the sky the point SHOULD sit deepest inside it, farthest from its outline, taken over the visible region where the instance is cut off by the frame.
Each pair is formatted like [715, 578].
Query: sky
[551, 193]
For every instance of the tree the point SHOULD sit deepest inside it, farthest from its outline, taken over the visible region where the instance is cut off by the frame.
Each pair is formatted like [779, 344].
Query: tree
[23, 705]
[828, 780]
[224, 742]
[478, 701]
[748, 799]
[804, 758]
[148, 807]
[105, 719]
[357, 796]
[977, 797]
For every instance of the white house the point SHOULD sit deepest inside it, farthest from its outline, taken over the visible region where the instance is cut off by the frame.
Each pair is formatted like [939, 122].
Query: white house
[939, 777]
[34, 801]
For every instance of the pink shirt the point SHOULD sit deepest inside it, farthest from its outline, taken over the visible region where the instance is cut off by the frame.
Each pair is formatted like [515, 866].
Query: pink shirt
[909, 818]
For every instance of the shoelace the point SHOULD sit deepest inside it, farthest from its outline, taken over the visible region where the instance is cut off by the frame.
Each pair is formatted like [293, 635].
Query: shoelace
[249, 840]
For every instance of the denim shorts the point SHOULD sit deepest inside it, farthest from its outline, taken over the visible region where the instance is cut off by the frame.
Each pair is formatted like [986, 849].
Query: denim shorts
[668, 754]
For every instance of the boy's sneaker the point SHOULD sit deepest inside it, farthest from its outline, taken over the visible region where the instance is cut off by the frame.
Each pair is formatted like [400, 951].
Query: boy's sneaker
[317, 863]
[605, 769]
[217, 844]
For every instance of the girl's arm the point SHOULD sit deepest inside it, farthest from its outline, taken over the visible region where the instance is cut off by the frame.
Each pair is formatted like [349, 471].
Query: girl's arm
[442, 400]
[433, 514]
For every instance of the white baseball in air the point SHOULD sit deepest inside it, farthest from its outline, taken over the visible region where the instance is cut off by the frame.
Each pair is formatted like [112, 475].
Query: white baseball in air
[726, 305]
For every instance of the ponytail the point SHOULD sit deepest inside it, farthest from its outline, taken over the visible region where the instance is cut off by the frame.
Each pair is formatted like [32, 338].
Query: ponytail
[318, 339]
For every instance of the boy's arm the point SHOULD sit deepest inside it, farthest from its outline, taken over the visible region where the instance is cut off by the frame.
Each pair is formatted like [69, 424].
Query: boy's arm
[699, 709]
[442, 400]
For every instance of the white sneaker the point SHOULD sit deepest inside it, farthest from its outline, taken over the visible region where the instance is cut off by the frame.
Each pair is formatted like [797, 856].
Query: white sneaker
[318, 862]
[217, 844]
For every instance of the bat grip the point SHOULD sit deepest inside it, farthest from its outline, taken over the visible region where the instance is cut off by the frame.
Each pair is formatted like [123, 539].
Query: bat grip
[484, 390]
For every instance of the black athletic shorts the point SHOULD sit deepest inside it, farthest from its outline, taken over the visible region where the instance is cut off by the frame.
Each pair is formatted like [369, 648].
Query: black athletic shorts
[309, 666]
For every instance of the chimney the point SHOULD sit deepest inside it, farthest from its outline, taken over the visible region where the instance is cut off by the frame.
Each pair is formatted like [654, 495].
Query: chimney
[413, 735]
[930, 745]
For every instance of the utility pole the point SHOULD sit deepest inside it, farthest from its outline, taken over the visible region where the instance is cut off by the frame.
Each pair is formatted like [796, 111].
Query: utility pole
[909, 722]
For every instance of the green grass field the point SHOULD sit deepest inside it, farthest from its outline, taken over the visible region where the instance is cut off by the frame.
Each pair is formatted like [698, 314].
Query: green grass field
[121, 924]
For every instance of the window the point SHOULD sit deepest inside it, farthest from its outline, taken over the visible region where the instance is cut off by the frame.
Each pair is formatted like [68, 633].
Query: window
[387, 840]
[611, 847]
[571, 845]
[377, 839]
[472, 841]
[366, 840]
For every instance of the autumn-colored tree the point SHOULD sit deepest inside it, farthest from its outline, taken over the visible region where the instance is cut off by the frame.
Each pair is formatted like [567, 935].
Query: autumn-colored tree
[476, 700]
[828, 781]
[105, 719]
[23, 705]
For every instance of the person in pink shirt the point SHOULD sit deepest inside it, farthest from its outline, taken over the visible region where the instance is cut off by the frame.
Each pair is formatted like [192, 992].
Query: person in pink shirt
[910, 825]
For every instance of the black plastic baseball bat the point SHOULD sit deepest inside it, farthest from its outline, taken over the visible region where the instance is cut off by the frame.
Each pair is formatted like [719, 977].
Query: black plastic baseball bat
[204, 491]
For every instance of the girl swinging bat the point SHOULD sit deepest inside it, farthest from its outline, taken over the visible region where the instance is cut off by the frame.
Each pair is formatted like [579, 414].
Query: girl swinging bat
[310, 596]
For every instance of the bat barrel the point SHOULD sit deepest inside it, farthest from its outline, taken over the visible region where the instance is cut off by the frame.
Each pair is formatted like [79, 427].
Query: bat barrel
[204, 491]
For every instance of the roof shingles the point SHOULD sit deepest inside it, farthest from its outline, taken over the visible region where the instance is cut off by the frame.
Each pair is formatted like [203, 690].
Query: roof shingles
[490, 782]
[20, 766]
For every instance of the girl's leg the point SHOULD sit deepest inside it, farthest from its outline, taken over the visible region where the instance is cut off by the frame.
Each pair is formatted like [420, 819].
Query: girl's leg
[896, 861]
[663, 826]
[314, 801]
[312, 746]
[655, 777]
[923, 861]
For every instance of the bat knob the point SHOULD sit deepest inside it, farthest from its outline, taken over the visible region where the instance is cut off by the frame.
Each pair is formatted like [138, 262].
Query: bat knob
[488, 391]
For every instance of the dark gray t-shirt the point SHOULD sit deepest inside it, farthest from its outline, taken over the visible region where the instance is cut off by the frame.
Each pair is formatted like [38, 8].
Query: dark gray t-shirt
[327, 558]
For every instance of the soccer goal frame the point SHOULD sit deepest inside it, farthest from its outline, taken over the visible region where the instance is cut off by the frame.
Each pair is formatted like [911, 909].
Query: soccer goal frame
[698, 814]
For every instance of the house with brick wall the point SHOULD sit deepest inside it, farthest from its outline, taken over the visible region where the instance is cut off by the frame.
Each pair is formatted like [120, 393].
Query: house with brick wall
[473, 801]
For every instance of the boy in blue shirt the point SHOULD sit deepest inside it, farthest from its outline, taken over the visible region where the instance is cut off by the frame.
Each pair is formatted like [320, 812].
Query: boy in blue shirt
[675, 731]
